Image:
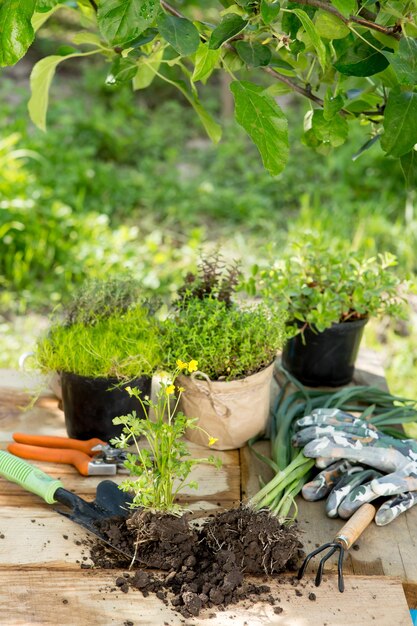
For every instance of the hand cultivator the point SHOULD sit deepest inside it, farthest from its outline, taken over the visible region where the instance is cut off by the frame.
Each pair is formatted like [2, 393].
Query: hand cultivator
[342, 542]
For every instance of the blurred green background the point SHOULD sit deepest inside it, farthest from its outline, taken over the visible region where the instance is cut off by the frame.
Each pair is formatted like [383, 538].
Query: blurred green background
[128, 182]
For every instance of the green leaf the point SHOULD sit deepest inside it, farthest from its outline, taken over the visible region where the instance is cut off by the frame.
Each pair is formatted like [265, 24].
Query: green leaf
[313, 35]
[400, 123]
[261, 117]
[39, 19]
[269, 10]
[40, 81]
[362, 59]
[121, 21]
[404, 61]
[205, 61]
[230, 26]
[87, 38]
[254, 54]
[231, 59]
[44, 6]
[147, 69]
[147, 36]
[180, 33]
[368, 144]
[345, 7]
[278, 89]
[409, 167]
[121, 71]
[333, 132]
[329, 26]
[16, 30]
[213, 129]
[332, 105]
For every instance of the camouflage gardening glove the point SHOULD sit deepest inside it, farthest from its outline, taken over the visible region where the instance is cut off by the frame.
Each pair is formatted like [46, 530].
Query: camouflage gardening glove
[334, 434]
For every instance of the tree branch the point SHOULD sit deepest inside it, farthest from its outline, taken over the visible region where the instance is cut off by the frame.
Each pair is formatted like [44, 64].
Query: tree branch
[391, 31]
[293, 85]
[303, 91]
[169, 9]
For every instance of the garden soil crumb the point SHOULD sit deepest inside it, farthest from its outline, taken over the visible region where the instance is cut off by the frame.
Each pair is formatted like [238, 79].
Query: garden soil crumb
[204, 567]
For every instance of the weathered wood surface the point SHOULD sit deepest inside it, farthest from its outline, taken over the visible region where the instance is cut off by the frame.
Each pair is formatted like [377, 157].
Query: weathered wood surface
[41, 551]
[89, 598]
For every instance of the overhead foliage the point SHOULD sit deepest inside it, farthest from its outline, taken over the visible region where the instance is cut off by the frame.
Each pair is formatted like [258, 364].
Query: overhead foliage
[355, 60]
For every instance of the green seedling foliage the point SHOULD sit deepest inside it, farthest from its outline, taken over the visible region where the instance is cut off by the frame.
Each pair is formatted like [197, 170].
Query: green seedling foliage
[231, 341]
[124, 346]
[160, 469]
[215, 279]
[323, 286]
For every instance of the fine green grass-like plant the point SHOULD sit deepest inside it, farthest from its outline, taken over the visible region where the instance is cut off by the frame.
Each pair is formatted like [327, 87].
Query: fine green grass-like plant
[159, 472]
[231, 341]
[324, 285]
[123, 346]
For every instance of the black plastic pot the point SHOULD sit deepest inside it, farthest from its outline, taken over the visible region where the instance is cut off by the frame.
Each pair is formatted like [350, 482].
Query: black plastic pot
[327, 359]
[90, 404]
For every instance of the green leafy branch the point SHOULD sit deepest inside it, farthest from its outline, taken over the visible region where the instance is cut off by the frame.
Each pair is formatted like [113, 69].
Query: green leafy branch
[349, 62]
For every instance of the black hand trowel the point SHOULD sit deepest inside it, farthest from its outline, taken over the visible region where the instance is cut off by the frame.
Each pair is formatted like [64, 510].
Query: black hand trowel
[110, 501]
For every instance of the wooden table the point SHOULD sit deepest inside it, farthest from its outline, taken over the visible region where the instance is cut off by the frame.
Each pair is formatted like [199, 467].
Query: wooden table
[42, 582]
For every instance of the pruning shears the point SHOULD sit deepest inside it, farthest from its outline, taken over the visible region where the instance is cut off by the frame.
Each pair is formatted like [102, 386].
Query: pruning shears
[93, 457]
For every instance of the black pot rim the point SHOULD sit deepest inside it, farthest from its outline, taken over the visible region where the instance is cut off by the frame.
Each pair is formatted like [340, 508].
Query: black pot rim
[351, 323]
[110, 379]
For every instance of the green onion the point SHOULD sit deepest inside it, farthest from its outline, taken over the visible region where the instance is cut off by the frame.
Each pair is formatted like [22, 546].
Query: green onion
[292, 468]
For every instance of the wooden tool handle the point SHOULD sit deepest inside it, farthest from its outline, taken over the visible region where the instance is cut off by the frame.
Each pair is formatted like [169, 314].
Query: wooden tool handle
[58, 442]
[356, 525]
[53, 455]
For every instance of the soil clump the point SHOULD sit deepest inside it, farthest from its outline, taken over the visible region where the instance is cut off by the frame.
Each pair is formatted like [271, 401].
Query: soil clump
[200, 566]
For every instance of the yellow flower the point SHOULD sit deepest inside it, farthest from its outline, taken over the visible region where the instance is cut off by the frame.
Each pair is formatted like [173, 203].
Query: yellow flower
[180, 389]
[212, 441]
[192, 366]
[181, 364]
[170, 389]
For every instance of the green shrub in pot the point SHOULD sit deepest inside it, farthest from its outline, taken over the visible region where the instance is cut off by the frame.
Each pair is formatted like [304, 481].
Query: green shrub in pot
[235, 345]
[97, 352]
[330, 294]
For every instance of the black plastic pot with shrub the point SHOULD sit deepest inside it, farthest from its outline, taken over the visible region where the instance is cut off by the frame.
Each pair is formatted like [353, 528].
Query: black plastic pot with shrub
[327, 358]
[98, 352]
[331, 293]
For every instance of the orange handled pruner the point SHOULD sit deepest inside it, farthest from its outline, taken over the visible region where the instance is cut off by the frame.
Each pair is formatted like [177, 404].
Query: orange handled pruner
[91, 458]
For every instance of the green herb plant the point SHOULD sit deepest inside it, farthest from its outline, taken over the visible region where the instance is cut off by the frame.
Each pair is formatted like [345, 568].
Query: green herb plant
[160, 471]
[322, 286]
[214, 278]
[232, 341]
[97, 299]
[124, 345]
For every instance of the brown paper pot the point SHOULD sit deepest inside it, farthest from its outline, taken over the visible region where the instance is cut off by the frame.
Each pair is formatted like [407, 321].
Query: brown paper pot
[232, 411]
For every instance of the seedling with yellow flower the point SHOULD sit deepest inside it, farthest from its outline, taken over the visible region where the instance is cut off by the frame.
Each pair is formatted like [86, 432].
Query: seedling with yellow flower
[160, 467]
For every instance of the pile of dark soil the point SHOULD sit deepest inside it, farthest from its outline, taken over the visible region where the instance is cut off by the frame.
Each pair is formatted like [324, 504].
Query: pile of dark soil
[205, 565]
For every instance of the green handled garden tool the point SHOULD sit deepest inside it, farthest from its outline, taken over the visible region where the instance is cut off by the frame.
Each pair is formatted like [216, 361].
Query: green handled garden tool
[109, 502]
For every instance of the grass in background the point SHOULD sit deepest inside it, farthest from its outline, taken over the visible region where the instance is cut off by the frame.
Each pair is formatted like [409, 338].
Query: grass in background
[129, 182]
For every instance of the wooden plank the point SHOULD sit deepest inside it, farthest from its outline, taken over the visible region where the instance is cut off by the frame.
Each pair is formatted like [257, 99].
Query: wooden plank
[213, 484]
[89, 598]
[41, 537]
